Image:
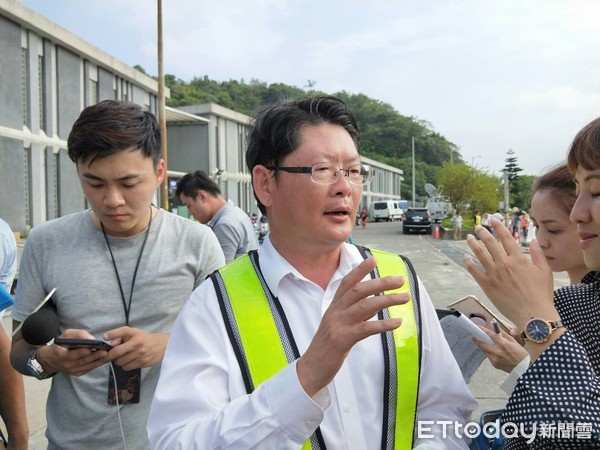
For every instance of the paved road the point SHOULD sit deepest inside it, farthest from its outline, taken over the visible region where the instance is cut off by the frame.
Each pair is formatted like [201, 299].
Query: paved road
[439, 264]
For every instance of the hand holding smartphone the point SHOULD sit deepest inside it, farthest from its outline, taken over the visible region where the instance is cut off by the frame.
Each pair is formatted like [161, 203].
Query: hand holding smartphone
[471, 307]
[92, 344]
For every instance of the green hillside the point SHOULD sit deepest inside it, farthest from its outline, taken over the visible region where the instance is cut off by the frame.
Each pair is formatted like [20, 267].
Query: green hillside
[385, 133]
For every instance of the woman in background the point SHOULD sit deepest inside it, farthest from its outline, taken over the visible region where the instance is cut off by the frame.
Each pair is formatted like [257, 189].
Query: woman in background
[562, 385]
[553, 198]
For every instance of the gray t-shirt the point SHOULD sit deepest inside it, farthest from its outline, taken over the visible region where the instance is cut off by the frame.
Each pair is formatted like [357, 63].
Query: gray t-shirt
[71, 255]
[234, 230]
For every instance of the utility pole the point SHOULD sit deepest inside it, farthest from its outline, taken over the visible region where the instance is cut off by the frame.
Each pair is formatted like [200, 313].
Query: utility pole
[505, 179]
[162, 120]
[413, 171]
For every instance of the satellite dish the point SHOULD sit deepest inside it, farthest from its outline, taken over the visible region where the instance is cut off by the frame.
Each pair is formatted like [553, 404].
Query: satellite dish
[430, 189]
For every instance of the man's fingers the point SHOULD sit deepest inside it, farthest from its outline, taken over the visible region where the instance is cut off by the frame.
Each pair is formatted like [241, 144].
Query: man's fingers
[352, 288]
[355, 276]
[366, 308]
[373, 327]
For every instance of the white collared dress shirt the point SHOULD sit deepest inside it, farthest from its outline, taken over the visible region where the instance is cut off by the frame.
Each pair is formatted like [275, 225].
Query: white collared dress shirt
[201, 402]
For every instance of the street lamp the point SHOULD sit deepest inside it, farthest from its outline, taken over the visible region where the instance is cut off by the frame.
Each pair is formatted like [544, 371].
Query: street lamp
[413, 170]
[473, 160]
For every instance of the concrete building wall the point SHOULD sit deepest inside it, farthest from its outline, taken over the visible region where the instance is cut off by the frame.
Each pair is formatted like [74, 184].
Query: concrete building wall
[222, 147]
[47, 76]
[11, 90]
[12, 182]
[186, 147]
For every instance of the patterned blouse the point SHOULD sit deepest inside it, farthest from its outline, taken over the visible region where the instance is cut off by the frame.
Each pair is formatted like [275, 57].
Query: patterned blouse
[558, 398]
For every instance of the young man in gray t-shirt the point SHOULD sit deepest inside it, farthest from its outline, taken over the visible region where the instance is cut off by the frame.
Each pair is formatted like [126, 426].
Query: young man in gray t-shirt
[122, 270]
[231, 225]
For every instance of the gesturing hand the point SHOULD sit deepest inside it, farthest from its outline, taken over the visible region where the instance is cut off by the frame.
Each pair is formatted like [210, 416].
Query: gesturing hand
[346, 322]
[519, 288]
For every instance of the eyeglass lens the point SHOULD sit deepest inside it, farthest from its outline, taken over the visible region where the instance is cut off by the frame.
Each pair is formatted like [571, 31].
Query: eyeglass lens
[329, 173]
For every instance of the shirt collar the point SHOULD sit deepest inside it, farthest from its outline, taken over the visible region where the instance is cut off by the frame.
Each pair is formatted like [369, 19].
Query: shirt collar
[275, 267]
[212, 222]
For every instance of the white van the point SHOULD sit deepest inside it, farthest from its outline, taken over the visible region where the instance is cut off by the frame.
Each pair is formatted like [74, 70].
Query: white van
[387, 210]
[439, 209]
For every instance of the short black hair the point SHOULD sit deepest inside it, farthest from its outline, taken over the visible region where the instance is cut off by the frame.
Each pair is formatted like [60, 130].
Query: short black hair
[191, 183]
[276, 128]
[110, 127]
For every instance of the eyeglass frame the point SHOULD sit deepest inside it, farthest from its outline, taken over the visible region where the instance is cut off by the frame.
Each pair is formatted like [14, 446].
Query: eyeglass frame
[365, 171]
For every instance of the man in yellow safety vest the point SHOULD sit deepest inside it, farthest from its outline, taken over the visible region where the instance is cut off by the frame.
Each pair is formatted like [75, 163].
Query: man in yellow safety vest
[309, 342]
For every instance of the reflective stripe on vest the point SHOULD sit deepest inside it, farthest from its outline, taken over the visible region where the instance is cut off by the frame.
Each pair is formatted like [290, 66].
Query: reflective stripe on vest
[263, 343]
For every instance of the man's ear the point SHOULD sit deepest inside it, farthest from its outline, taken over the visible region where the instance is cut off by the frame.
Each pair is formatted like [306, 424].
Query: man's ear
[204, 196]
[161, 170]
[264, 183]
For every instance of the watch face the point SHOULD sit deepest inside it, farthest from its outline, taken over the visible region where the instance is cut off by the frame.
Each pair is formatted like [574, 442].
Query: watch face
[537, 330]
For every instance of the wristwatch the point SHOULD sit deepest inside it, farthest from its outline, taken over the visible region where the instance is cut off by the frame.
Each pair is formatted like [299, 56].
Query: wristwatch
[35, 368]
[539, 330]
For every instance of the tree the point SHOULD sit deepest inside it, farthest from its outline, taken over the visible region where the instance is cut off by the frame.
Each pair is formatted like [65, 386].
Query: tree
[385, 134]
[511, 166]
[520, 194]
[519, 186]
[468, 187]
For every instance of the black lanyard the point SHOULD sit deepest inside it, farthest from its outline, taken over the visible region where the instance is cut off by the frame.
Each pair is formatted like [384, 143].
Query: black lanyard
[127, 306]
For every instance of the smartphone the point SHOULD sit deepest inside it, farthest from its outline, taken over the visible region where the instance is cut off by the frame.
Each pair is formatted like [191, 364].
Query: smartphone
[471, 307]
[93, 344]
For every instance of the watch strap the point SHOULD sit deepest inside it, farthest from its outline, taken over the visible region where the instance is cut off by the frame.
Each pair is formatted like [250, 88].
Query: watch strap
[35, 368]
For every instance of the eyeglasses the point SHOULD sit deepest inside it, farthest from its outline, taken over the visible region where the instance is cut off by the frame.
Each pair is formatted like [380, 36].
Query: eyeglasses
[328, 173]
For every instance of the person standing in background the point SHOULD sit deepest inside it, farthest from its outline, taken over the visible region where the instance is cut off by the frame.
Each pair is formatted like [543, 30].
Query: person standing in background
[363, 218]
[477, 218]
[524, 219]
[485, 221]
[12, 390]
[457, 221]
[231, 225]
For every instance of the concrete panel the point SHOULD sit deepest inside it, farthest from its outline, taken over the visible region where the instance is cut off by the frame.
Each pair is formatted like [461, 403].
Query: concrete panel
[71, 196]
[232, 145]
[69, 90]
[51, 187]
[49, 121]
[106, 90]
[34, 44]
[187, 148]
[140, 96]
[12, 182]
[11, 88]
[38, 183]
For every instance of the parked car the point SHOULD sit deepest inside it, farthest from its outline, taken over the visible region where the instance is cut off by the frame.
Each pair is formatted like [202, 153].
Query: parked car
[439, 208]
[387, 210]
[416, 219]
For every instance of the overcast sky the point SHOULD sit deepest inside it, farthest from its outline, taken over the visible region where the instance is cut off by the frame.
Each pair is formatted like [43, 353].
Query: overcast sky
[489, 76]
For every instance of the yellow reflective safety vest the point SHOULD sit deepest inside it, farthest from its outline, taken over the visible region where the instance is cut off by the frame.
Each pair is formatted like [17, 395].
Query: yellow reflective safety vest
[264, 345]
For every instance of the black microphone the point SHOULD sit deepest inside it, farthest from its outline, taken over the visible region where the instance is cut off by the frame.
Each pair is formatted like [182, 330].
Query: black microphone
[41, 327]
